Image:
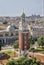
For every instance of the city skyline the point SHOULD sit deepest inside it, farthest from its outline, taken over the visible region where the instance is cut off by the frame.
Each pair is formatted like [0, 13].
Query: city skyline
[16, 7]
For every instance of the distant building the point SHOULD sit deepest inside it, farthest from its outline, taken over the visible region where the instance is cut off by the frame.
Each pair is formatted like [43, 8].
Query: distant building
[9, 35]
[29, 26]
[37, 31]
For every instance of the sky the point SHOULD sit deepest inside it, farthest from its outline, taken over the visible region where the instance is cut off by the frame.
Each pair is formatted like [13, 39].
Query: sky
[16, 7]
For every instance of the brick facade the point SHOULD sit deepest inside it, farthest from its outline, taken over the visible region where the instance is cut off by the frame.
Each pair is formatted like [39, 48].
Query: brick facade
[23, 40]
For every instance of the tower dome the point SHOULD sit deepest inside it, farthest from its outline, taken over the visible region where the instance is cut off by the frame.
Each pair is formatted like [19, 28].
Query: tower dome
[23, 15]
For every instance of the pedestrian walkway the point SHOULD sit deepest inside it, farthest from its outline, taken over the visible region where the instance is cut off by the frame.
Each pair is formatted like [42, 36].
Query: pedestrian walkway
[37, 56]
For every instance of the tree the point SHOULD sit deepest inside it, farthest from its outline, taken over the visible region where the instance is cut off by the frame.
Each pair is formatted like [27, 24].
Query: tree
[24, 61]
[0, 44]
[30, 41]
[40, 41]
[11, 63]
[16, 44]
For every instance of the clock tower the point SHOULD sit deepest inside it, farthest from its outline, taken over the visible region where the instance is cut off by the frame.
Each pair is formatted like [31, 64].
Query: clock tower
[23, 36]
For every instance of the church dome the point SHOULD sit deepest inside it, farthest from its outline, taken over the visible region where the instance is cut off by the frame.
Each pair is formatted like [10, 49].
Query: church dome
[11, 28]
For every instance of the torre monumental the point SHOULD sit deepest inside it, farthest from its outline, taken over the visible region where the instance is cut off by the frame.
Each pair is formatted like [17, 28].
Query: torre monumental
[23, 37]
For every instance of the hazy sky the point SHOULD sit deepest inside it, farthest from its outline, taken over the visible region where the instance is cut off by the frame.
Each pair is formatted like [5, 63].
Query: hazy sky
[15, 7]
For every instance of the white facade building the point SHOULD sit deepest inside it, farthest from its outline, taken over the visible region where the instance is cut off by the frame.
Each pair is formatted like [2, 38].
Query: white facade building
[9, 35]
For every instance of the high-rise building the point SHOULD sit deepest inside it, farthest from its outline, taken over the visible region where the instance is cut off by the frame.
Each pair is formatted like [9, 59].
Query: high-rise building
[23, 37]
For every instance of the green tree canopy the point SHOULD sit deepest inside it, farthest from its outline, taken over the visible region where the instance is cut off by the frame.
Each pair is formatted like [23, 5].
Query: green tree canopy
[16, 44]
[41, 41]
[24, 61]
[30, 41]
[0, 44]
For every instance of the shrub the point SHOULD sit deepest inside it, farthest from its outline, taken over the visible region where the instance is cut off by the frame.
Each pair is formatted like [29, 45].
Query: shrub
[24, 61]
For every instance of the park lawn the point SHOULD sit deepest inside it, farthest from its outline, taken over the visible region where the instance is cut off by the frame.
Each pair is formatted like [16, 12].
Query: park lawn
[37, 50]
[10, 53]
[40, 49]
[42, 52]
